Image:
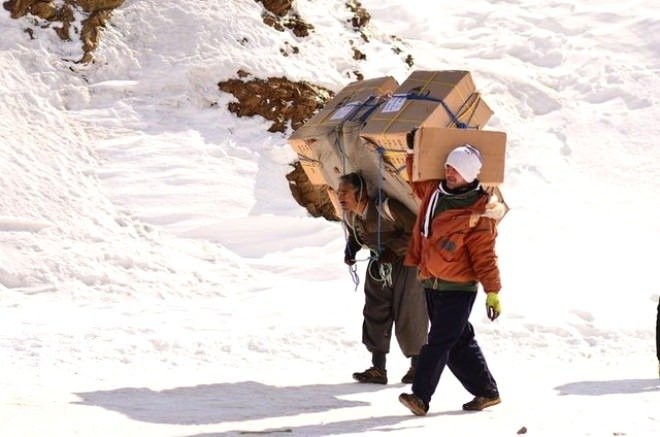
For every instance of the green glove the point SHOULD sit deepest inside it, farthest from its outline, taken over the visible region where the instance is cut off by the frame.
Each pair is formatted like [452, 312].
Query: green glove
[493, 307]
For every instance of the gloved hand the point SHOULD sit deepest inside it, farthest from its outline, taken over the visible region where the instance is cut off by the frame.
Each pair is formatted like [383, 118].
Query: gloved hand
[493, 306]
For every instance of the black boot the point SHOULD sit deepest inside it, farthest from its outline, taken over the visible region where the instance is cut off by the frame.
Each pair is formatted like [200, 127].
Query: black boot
[409, 377]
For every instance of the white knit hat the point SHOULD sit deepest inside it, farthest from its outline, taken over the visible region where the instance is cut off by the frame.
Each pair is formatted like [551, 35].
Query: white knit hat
[466, 159]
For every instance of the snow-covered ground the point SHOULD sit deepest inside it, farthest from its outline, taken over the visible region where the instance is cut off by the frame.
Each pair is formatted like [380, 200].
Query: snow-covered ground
[158, 279]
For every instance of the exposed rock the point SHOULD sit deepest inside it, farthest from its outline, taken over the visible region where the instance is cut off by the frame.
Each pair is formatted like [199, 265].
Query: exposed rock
[297, 25]
[410, 61]
[288, 48]
[358, 55]
[278, 7]
[45, 10]
[358, 75]
[90, 32]
[361, 16]
[97, 12]
[18, 8]
[98, 5]
[277, 99]
[313, 198]
[279, 15]
[65, 16]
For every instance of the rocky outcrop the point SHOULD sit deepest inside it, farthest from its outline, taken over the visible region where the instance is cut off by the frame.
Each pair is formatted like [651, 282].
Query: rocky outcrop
[314, 198]
[97, 13]
[277, 99]
[278, 7]
[361, 16]
[280, 15]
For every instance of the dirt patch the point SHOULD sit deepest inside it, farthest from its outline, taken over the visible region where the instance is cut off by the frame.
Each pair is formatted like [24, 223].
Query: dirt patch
[96, 12]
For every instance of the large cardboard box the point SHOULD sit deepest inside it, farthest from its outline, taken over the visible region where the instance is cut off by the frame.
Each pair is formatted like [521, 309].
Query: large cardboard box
[355, 99]
[433, 144]
[314, 170]
[427, 98]
[318, 142]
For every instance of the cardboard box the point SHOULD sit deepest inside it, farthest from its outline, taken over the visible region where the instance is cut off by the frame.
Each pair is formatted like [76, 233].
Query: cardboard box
[314, 171]
[316, 142]
[354, 100]
[433, 144]
[427, 98]
[334, 199]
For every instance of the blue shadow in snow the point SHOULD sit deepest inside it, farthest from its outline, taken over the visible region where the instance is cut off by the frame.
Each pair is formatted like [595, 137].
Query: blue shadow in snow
[599, 388]
[227, 402]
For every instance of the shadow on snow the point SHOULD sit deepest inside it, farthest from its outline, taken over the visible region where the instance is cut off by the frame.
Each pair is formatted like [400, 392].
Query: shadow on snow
[227, 402]
[598, 388]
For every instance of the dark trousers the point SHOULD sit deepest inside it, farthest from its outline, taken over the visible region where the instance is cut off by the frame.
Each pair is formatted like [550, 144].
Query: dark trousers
[402, 305]
[451, 343]
[657, 332]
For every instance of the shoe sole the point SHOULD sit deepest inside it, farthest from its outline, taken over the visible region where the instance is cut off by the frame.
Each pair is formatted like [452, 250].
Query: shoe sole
[482, 406]
[412, 406]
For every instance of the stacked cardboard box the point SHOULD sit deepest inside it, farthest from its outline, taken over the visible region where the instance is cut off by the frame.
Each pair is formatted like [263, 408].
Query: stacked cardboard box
[446, 99]
[367, 127]
[318, 142]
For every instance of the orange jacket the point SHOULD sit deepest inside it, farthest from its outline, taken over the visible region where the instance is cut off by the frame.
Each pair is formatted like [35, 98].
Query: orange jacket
[461, 244]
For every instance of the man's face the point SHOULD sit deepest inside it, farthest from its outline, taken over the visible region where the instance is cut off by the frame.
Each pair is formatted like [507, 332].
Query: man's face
[348, 197]
[453, 178]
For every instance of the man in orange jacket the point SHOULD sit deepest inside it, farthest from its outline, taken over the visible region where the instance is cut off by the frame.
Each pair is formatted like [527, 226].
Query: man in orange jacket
[453, 245]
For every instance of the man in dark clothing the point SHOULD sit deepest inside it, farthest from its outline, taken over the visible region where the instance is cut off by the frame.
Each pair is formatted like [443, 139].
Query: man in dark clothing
[454, 247]
[393, 294]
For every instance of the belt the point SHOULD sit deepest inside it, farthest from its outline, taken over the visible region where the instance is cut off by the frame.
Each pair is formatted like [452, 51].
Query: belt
[443, 285]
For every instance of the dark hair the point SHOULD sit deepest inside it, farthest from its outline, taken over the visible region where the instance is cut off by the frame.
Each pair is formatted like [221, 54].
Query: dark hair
[356, 180]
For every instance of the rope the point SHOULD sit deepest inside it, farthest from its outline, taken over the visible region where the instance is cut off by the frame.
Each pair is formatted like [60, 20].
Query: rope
[379, 200]
[352, 270]
[454, 118]
[338, 130]
[383, 275]
[385, 269]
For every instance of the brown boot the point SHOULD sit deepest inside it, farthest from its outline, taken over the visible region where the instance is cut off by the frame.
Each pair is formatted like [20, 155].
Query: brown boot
[414, 404]
[373, 375]
[481, 402]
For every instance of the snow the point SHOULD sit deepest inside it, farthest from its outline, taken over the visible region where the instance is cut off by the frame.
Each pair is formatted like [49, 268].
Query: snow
[158, 279]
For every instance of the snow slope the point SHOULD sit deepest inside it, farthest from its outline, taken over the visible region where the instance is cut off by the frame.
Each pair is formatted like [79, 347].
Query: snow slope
[157, 278]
